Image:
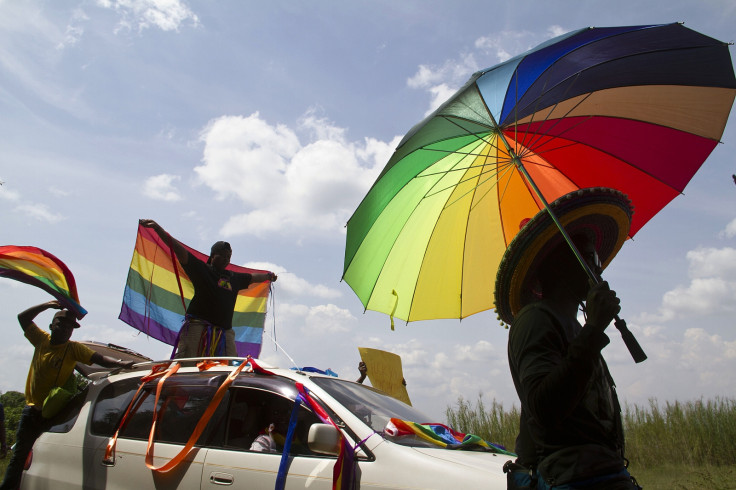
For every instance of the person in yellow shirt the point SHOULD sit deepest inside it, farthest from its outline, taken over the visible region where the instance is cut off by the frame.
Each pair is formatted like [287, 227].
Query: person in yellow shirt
[53, 363]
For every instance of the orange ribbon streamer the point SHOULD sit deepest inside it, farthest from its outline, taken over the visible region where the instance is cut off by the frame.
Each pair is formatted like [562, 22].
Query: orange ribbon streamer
[214, 403]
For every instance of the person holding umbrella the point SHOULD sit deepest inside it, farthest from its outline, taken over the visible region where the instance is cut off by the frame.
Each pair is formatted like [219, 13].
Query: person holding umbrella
[571, 431]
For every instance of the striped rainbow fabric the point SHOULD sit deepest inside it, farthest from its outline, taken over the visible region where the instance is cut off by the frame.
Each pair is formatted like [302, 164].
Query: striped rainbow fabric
[39, 268]
[441, 435]
[152, 302]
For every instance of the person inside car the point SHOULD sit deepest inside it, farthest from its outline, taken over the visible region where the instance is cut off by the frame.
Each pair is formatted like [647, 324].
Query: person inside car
[265, 442]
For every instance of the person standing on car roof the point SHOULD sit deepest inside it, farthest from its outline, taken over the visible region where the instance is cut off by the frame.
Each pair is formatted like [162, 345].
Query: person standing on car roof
[207, 327]
[53, 363]
[571, 433]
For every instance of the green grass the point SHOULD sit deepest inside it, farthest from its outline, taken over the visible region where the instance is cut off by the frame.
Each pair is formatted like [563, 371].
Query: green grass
[680, 445]
[690, 434]
[678, 477]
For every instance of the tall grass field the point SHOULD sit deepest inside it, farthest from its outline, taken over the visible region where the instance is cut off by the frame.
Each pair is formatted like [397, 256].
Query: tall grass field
[675, 445]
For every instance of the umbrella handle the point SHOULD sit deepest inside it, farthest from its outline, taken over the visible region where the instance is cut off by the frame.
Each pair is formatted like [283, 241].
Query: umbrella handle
[631, 343]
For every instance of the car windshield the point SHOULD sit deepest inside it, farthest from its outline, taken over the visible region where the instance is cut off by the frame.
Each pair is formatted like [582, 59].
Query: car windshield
[372, 406]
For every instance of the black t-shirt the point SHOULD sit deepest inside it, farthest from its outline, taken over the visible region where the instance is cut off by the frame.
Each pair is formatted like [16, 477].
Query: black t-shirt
[215, 292]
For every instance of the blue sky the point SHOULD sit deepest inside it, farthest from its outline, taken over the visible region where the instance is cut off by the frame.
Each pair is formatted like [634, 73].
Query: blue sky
[264, 123]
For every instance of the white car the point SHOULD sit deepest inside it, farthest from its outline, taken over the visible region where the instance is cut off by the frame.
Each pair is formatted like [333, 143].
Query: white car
[71, 455]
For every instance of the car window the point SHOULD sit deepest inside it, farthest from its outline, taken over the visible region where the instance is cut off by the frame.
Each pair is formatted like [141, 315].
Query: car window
[373, 407]
[182, 402]
[253, 411]
[110, 405]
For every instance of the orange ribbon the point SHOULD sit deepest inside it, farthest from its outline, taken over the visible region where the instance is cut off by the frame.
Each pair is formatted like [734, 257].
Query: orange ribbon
[214, 403]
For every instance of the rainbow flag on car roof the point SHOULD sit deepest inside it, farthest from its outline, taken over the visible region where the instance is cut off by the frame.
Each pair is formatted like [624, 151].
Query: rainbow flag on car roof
[154, 304]
[39, 268]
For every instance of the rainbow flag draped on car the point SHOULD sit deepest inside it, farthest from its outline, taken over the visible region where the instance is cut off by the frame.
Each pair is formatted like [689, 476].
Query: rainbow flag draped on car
[441, 435]
[158, 291]
[39, 268]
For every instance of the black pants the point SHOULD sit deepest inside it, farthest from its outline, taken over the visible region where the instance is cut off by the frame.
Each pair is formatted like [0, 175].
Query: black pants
[30, 426]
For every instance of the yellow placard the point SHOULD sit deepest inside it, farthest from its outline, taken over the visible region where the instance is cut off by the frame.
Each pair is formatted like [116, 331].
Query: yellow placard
[385, 373]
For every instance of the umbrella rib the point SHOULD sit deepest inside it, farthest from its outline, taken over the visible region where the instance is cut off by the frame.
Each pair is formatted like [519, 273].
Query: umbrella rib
[538, 149]
[506, 169]
[536, 136]
[491, 173]
[516, 107]
[504, 163]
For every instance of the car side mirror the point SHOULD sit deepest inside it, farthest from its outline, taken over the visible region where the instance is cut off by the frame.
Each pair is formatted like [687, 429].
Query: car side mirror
[324, 439]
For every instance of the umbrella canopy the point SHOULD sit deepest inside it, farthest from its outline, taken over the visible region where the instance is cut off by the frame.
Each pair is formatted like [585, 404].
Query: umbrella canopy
[637, 109]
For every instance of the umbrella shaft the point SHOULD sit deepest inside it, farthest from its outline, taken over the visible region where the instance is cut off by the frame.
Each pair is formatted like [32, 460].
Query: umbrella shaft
[637, 353]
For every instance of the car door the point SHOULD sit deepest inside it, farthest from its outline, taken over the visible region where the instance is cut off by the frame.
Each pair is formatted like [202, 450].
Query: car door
[235, 458]
[183, 400]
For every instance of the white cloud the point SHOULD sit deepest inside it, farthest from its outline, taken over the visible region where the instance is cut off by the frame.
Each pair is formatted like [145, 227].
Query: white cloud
[507, 44]
[479, 351]
[708, 262]
[701, 296]
[680, 367]
[34, 56]
[74, 30]
[288, 187]
[327, 319]
[711, 291]
[40, 212]
[730, 230]
[57, 192]
[443, 81]
[293, 285]
[556, 30]
[36, 211]
[161, 188]
[167, 15]
[8, 195]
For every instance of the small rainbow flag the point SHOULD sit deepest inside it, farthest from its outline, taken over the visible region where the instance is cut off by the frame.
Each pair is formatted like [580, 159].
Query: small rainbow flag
[39, 268]
[153, 303]
[441, 435]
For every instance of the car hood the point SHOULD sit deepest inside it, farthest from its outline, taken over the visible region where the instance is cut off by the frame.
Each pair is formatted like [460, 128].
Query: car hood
[473, 459]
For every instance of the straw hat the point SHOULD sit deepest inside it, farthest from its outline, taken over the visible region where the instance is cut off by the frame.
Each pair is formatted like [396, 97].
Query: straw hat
[603, 214]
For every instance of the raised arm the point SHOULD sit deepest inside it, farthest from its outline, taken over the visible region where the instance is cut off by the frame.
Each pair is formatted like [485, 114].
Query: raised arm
[26, 317]
[110, 362]
[363, 369]
[179, 250]
[264, 276]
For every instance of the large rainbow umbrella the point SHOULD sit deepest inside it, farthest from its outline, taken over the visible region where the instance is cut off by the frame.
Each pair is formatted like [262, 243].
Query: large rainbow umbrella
[637, 109]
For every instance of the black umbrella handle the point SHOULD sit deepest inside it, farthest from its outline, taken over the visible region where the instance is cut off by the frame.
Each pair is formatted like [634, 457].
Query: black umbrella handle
[631, 343]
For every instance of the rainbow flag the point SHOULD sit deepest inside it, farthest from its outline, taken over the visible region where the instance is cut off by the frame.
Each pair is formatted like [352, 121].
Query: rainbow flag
[344, 470]
[441, 435]
[153, 303]
[39, 268]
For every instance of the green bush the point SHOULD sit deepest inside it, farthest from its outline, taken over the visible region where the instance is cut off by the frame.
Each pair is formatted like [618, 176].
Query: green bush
[13, 402]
